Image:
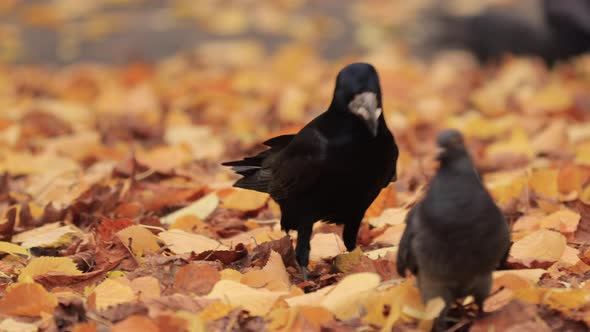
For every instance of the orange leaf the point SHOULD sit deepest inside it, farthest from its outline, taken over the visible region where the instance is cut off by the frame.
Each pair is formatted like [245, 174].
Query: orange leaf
[27, 299]
[135, 324]
[386, 198]
[245, 200]
[85, 327]
[197, 277]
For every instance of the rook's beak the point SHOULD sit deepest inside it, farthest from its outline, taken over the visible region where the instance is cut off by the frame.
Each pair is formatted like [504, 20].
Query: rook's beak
[365, 106]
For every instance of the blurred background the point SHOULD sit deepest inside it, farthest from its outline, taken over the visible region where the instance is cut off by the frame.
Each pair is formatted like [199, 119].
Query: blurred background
[120, 31]
[206, 80]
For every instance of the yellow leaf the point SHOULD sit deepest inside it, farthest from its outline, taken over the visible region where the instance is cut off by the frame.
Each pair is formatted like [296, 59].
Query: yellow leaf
[188, 223]
[346, 261]
[585, 196]
[567, 299]
[27, 299]
[309, 299]
[532, 275]
[554, 97]
[141, 239]
[391, 216]
[195, 324]
[257, 301]
[110, 292]
[146, 287]
[230, 274]
[506, 186]
[431, 312]
[345, 299]
[564, 221]
[43, 265]
[517, 144]
[47, 236]
[325, 245]
[273, 276]
[215, 311]
[181, 242]
[13, 249]
[544, 183]
[245, 200]
[11, 325]
[541, 246]
[202, 208]
[402, 301]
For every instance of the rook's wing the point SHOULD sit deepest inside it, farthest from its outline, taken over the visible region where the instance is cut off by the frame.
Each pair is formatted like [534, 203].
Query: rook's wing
[300, 165]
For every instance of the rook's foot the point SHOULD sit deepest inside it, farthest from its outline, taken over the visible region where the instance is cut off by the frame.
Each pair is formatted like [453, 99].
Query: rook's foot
[304, 272]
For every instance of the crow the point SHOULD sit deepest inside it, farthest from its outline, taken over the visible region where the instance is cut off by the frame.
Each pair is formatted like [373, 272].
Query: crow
[456, 236]
[331, 170]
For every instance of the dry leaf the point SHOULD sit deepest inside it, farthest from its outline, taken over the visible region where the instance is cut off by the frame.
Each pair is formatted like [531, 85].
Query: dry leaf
[50, 235]
[181, 242]
[146, 287]
[202, 208]
[325, 245]
[27, 299]
[135, 324]
[273, 276]
[108, 293]
[245, 200]
[344, 301]
[257, 301]
[44, 265]
[139, 239]
[539, 248]
[13, 249]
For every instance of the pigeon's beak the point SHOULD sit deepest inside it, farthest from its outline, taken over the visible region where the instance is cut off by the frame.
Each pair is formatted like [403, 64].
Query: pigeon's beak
[365, 106]
[440, 152]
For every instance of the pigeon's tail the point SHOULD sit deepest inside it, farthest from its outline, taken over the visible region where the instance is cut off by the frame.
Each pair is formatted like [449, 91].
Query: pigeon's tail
[255, 176]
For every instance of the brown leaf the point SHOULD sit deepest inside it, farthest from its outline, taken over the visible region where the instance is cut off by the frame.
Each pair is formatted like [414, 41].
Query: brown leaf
[516, 316]
[197, 277]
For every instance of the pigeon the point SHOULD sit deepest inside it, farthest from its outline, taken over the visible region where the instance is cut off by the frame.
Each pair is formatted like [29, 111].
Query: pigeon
[333, 168]
[456, 236]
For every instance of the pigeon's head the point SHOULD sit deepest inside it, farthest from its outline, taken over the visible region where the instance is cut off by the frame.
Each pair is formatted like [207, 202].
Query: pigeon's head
[450, 145]
[358, 91]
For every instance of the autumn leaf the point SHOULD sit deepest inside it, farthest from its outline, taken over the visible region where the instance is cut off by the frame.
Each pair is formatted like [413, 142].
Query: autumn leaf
[27, 299]
[110, 292]
[43, 265]
[140, 239]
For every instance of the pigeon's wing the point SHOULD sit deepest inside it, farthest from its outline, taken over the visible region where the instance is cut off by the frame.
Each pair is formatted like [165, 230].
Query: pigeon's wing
[405, 257]
[299, 165]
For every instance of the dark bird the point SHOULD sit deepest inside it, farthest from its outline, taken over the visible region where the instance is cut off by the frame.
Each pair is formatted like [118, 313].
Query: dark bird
[552, 30]
[456, 236]
[333, 168]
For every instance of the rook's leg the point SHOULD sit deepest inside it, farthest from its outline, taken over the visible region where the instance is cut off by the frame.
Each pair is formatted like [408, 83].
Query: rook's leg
[350, 233]
[431, 289]
[303, 247]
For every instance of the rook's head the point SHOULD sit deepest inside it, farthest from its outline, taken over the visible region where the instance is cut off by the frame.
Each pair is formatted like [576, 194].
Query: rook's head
[450, 145]
[358, 92]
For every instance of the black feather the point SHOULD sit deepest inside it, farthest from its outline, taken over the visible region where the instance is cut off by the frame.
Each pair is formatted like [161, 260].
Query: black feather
[333, 168]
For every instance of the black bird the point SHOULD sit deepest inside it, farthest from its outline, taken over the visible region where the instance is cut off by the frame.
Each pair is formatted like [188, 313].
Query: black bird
[333, 168]
[561, 31]
[456, 236]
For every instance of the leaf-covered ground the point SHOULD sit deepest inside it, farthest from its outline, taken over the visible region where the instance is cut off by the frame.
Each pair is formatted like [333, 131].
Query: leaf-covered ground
[115, 213]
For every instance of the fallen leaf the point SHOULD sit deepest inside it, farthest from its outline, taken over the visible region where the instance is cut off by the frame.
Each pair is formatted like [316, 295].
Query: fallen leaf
[345, 299]
[44, 265]
[140, 239]
[146, 287]
[197, 277]
[109, 293]
[564, 221]
[392, 216]
[182, 242]
[325, 245]
[273, 276]
[13, 249]
[257, 301]
[27, 299]
[135, 324]
[245, 200]
[540, 248]
[11, 325]
[50, 235]
[202, 208]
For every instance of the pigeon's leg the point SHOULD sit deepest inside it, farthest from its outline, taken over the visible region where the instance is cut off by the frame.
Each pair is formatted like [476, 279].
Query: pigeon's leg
[481, 290]
[303, 247]
[431, 289]
[350, 233]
